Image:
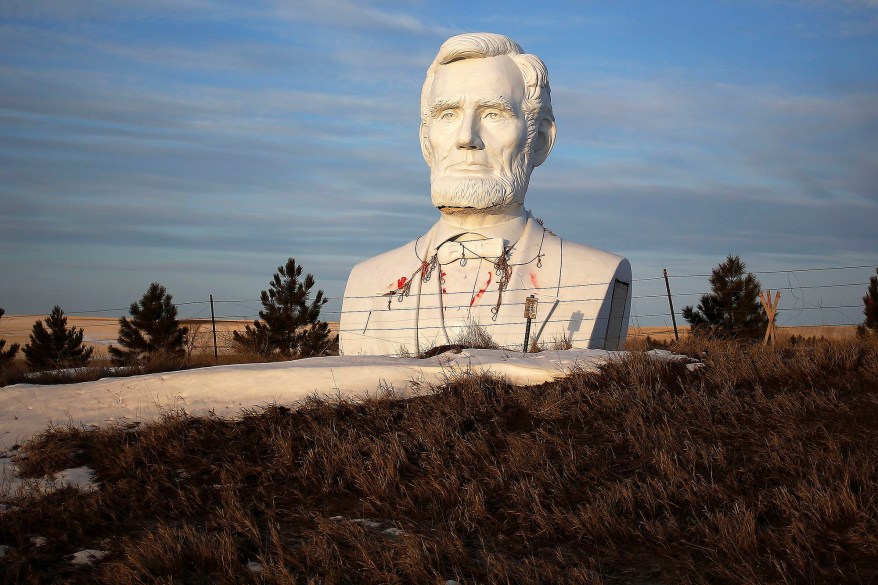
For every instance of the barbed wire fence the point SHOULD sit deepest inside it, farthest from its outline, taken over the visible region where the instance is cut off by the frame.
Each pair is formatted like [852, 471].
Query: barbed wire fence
[803, 304]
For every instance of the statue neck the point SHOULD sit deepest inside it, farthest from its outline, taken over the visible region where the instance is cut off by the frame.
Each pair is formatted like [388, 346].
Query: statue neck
[473, 220]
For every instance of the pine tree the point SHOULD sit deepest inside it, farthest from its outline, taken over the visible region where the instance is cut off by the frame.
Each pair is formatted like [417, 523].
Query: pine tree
[6, 355]
[152, 331]
[733, 309]
[55, 346]
[870, 309]
[289, 324]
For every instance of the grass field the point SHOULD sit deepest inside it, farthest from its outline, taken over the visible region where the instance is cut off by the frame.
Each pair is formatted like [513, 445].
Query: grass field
[759, 467]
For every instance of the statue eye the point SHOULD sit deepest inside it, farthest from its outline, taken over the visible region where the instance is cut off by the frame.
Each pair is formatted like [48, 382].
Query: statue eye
[447, 115]
[493, 116]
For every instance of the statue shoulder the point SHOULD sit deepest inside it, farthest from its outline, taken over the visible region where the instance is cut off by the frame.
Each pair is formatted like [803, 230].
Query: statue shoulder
[594, 261]
[379, 272]
[405, 254]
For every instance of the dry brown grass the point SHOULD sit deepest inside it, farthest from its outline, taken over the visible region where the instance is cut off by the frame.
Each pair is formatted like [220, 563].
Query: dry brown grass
[761, 467]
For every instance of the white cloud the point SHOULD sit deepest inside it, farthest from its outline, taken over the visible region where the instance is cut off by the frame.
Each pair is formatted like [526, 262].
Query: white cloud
[360, 15]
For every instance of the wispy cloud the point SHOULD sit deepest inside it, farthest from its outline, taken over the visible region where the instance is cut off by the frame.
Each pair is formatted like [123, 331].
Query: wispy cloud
[354, 15]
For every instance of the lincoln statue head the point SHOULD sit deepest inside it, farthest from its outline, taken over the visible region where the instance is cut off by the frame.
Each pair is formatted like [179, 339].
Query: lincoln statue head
[486, 122]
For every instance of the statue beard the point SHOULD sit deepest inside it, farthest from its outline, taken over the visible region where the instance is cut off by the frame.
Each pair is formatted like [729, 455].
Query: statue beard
[478, 193]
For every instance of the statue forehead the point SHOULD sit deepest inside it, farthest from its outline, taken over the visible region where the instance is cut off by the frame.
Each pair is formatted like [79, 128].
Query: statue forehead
[486, 77]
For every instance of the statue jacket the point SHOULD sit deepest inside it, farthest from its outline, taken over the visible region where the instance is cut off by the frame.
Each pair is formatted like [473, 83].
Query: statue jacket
[453, 286]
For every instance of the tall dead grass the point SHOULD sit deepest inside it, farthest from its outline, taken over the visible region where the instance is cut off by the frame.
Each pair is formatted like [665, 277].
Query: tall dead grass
[760, 467]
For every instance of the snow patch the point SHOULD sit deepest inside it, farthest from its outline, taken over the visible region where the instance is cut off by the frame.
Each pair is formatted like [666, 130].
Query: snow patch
[81, 478]
[27, 409]
[664, 355]
[88, 556]
[9, 481]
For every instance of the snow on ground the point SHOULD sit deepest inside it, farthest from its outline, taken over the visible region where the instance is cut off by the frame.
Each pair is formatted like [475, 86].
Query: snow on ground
[81, 478]
[88, 556]
[27, 409]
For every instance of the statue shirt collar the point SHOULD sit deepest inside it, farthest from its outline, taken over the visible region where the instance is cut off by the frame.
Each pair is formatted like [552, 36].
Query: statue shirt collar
[510, 231]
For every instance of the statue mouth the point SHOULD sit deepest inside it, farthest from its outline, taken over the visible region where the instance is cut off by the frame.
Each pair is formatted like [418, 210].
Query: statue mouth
[469, 168]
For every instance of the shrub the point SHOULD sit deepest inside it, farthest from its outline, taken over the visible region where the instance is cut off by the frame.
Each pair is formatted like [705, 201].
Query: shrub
[153, 333]
[732, 310]
[55, 346]
[6, 355]
[289, 324]
[870, 309]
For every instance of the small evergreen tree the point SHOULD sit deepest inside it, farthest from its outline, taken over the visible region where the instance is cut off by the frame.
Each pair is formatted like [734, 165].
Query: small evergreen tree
[6, 355]
[55, 346]
[289, 324]
[153, 329]
[733, 309]
[870, 309]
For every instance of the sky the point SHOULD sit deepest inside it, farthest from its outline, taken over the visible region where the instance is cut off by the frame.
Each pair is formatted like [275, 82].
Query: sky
[201, 143]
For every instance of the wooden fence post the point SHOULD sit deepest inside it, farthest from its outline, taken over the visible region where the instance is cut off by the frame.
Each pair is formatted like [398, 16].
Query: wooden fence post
[771, 311]
[213, 325]
[671, 304]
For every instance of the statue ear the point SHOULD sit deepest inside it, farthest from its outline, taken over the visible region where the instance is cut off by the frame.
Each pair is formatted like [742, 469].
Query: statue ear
[543, 142]
[425, 147]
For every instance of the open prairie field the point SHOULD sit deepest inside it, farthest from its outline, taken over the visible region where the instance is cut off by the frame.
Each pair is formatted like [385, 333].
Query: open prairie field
[101, 331]
[666, 333]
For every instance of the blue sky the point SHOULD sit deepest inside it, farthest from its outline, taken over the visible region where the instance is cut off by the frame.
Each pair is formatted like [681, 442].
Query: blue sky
[200, 143]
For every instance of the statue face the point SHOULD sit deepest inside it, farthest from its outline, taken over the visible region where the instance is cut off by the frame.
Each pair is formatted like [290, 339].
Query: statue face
[477, 135]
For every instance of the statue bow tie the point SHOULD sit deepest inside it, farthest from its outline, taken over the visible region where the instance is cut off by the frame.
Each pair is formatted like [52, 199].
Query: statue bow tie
[490, 249]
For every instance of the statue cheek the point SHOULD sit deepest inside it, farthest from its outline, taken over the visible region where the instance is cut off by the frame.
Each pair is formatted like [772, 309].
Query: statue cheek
[440, 140]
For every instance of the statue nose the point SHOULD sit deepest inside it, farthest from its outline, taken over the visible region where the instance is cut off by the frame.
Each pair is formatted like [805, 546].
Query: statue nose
[468, 136]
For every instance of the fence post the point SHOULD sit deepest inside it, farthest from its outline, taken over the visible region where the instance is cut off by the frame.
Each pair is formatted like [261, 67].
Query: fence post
[671, 304]
[770, 311]
[530, 312]
[213, 324]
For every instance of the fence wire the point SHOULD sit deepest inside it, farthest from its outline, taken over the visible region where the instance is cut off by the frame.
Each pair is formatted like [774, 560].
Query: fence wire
[649, 304]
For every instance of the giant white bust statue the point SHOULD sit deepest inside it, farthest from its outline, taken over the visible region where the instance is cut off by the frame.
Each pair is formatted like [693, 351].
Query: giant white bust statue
[486, 123]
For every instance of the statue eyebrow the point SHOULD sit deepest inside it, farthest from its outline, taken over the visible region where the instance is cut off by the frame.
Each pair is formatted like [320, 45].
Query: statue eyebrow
[498, 103]
[441, 105]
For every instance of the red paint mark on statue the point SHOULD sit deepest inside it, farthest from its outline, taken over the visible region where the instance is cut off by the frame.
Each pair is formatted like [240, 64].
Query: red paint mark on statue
[481, 292]
[401, 282]
[533, 280]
